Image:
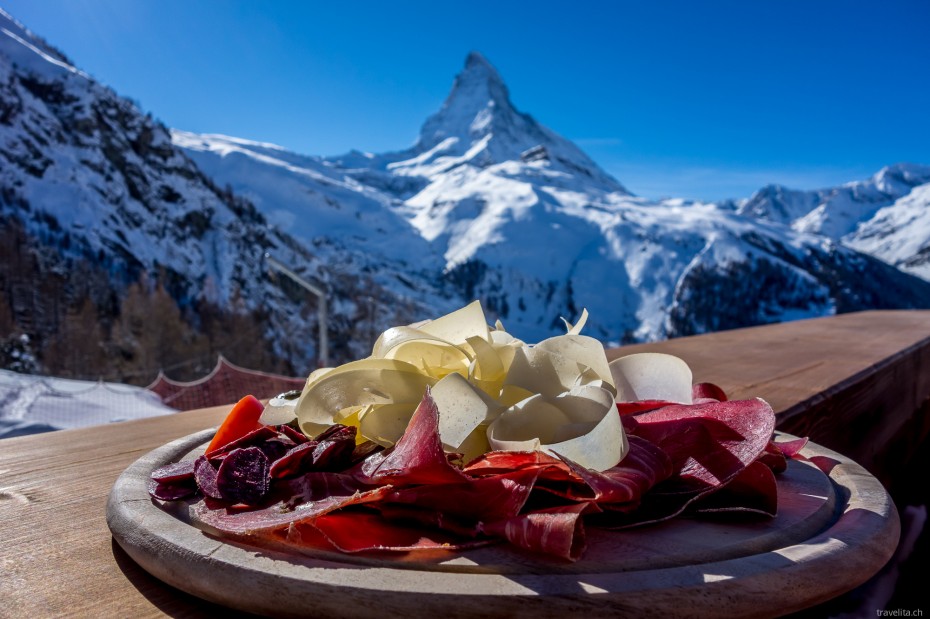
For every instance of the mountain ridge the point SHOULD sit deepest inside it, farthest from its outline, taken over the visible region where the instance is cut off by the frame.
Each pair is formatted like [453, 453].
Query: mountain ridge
[532, 236]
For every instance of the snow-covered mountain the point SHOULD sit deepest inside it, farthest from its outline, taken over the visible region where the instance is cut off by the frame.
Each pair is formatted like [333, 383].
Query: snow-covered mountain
[527, 222]
[884, 216]
[346, 224]
[486, 204]
[90, 183]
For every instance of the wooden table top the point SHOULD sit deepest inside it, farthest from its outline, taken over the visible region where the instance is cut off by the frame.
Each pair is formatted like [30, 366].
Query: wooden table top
[832, 377]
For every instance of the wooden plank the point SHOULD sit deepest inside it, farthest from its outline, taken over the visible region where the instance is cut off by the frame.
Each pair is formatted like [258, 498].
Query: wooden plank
[58, 558]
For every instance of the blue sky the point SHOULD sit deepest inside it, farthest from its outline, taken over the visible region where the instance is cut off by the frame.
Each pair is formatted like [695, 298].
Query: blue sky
[693, 99]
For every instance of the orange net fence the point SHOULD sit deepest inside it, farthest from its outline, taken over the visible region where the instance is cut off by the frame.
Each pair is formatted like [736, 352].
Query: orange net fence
[226, 384]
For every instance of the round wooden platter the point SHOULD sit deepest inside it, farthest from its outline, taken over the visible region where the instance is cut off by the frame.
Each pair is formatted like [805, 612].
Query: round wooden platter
[831, 534]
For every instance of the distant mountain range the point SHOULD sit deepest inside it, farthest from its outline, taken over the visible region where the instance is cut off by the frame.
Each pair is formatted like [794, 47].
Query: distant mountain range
[487, 204]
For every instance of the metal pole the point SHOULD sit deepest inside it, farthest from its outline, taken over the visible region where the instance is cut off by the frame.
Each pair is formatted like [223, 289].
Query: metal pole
[320, 294]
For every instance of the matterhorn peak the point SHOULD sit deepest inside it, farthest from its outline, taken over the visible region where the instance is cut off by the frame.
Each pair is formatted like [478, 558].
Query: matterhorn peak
[480, 73]
[479, 125]
[478, 98]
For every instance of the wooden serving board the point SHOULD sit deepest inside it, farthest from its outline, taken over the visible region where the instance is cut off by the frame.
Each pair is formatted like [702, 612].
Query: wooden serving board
[842, 525]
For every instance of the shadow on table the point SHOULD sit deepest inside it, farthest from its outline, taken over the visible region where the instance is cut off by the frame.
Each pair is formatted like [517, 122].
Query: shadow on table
[173, 602]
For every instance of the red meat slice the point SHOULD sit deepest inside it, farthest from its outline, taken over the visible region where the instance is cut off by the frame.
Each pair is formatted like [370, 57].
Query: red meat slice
[172, 490]
[257, 436]
[707, 391]
[643, 467]
[708, 443]
[353, 532]
[556, 531]
[753, 490]
[480, 499]
[243, 476]
[773, 458]
[297, 460]
[298, 500]
[640, 406]
[417, 457]
[549, 468]
[205, 474]
[176, 471]
[791, 448]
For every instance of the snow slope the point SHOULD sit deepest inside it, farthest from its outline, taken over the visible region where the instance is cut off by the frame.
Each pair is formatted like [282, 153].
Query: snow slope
[32, 404]
[899, 233]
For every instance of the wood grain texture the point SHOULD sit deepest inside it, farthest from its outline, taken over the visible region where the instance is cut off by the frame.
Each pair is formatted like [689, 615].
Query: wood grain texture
[57, 556]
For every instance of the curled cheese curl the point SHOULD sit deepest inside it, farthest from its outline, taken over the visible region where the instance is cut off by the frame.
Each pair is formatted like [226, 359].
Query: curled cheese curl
[581, 424]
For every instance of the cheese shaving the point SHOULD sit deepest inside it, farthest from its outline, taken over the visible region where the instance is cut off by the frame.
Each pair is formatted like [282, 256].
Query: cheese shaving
[492, 390]
[651, 376]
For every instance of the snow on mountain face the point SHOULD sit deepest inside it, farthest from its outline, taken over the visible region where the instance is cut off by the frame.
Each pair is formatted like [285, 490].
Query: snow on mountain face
[342, 220]
[526, 222]
[870, 216]
[92, 178]
[837, 211]
[478, 124]
[69, 145]
[900, 233]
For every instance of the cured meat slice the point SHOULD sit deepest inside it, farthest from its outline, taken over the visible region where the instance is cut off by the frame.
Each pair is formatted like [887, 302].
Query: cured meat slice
[205, 474]
[484, 498]
[431, 518]
[709, 443]
[353, 532]
[296, 461]
[172, 490]
[497, 462]
[243, 476]
[643, 467]
[640, 406]
[295, 435]
[255, 437]
[417, 457]
[331, 451]
[176, 471]
[791, 448]
[334, 448]
[773, 458]
[295, 500]
[707, 391]
[776, 454]
[557, 531]
[549, 468]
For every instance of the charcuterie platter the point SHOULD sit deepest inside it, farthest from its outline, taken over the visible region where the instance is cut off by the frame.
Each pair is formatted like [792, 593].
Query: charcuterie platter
[460, 470]
[844, 521]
